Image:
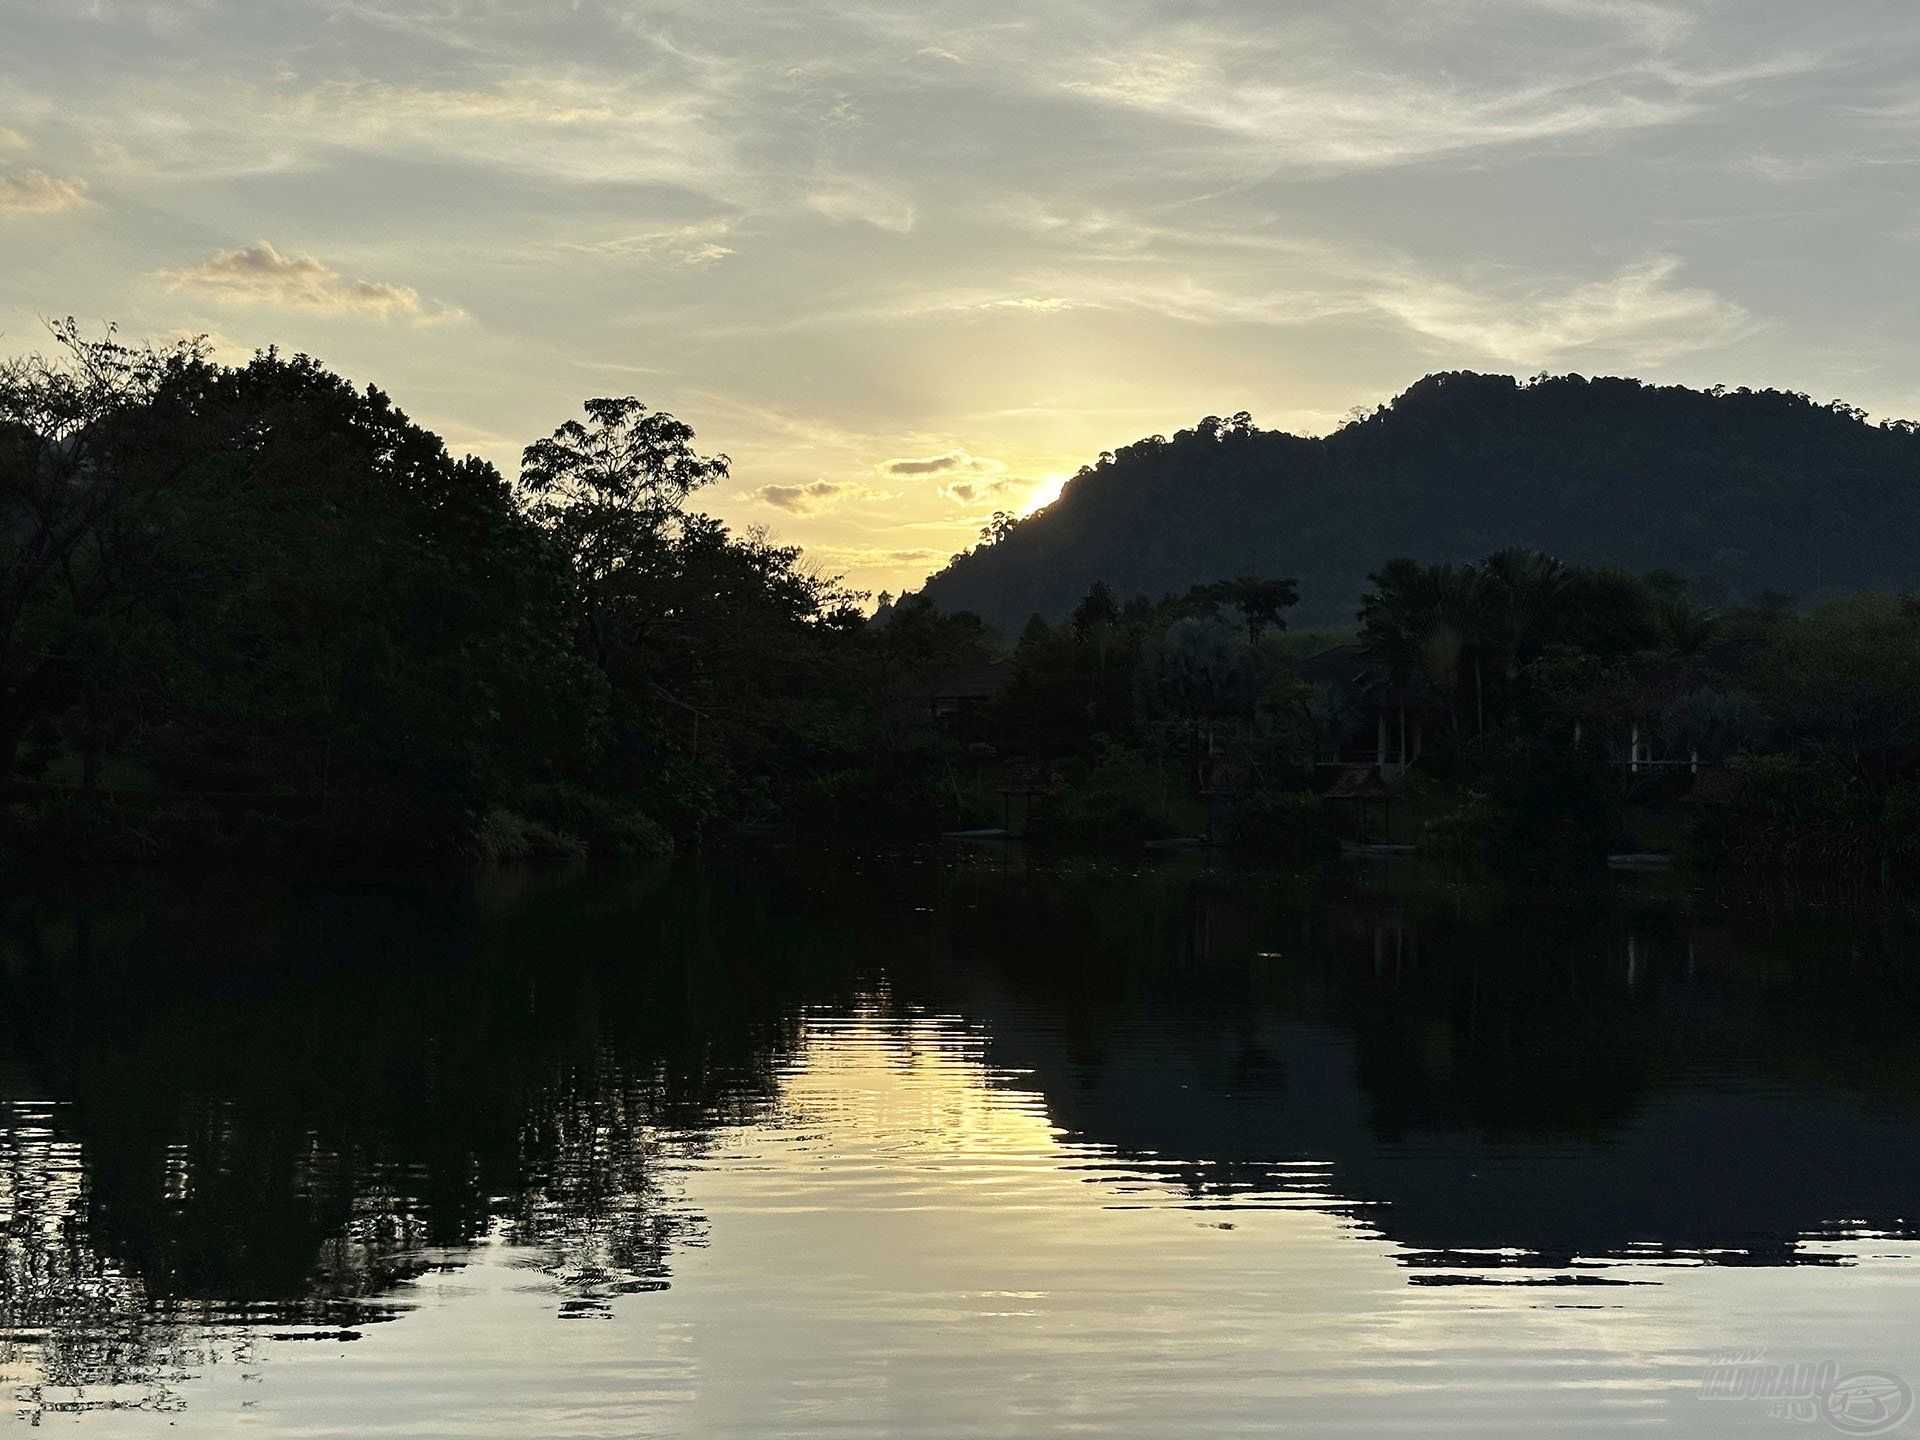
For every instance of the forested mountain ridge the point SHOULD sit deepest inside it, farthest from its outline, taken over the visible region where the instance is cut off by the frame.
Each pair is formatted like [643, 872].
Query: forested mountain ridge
[1742, 490]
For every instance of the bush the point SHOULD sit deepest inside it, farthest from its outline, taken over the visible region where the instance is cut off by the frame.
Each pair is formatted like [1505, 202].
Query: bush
[75, 829]
[1554, 803]
[504, 835]
[602, 825]
[1467, 831]
[1117, 805]
[1805, 817]
[919, 788]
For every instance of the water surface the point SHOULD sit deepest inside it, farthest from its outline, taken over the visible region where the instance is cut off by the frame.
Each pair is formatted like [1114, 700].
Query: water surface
[939, 1147]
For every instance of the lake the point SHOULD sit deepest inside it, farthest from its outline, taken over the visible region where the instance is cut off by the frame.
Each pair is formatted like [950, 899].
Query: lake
[821, 1145]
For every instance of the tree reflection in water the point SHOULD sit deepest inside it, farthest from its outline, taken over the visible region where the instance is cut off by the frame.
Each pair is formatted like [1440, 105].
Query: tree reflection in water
[278, 1106]
[238, 1111]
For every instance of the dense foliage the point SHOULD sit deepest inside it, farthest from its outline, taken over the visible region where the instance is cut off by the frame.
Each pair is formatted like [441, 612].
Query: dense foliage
[247, 609]
[1752, 490]
[255, 606]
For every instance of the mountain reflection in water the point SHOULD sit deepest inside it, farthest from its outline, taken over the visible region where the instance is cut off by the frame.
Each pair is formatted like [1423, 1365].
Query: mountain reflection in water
[237, 1115]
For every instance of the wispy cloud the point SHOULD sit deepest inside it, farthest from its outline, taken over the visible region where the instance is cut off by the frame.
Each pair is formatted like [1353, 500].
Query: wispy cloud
[871, 555]
[1642, 310]
[1371, 121]
[34, 192]
[689, 245]
[1045, 304]
[849, 198]
[261, 275]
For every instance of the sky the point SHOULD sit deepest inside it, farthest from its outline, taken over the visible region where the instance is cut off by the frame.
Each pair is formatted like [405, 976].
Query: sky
[910, 263]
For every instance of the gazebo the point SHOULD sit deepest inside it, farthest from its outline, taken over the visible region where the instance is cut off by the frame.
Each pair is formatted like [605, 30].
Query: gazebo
[1363, 784]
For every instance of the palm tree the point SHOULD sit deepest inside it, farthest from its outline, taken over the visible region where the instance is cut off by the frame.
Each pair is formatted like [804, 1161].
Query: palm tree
[1420, 622]
[1519, 605]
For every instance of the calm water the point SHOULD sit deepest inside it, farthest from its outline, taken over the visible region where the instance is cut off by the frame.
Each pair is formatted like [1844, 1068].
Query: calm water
[951, 1148]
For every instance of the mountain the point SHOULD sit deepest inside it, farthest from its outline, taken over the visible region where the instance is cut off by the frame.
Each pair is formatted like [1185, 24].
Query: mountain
[1740, 490]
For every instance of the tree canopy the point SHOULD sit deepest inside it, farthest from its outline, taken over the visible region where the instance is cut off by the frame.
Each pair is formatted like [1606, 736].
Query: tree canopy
[1739, 491]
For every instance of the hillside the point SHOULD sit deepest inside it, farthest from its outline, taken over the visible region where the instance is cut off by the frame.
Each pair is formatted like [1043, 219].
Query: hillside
[1752, 490]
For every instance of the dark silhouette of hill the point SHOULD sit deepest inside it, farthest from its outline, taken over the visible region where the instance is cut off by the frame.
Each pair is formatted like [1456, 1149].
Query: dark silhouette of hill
[1746, 490]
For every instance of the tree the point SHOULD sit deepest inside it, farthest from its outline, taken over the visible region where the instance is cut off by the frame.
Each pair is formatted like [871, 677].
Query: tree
[612, 492]
[1198, 669]
[1752, 489]
[1260, 602]
[1098, 611]
[723, 652]
[1419, 622]
[90, 463]
[1842, 681]
[999, 526]
[355, 614]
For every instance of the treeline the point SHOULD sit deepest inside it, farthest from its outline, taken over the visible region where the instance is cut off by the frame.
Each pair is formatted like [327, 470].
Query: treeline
[1527, 711]
[254, 609]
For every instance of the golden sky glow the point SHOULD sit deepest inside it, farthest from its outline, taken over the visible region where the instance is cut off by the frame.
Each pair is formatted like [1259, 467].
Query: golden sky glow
[909, 263]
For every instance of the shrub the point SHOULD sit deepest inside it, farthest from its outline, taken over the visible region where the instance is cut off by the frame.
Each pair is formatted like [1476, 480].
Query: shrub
[1555, 803]
[1117, 805]
[603, 826]
[1467, 831]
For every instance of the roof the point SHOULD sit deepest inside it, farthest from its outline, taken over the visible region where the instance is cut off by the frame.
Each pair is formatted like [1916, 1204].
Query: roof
[1227, 775]
[1341, 665]
[1359, 782]
[982, 682]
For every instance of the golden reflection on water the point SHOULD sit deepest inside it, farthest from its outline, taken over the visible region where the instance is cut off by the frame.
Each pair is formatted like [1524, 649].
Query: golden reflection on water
[900, 1240]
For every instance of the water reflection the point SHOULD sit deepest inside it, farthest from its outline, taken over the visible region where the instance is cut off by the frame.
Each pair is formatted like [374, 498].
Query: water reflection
[1561, 1077]
[233, 1116]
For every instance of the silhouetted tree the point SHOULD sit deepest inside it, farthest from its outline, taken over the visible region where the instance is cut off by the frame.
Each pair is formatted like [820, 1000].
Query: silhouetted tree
[91, 463]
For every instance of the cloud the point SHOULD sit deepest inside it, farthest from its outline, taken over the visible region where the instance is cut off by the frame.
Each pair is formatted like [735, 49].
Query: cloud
[852, 199]
[11, 139]
[859, 555]
[1047, 303]
[556, 123]
[1640, 310]
[817, 495]
[261, 275]
[979, 492]
[1365, 121]
[963, 478]
[953, 461]
[689, 245]
[34, 192]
